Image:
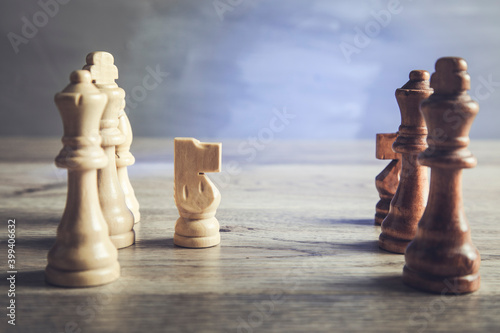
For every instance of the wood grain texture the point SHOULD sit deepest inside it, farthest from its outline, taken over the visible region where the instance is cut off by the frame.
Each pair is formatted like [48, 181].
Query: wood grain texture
[299, 249]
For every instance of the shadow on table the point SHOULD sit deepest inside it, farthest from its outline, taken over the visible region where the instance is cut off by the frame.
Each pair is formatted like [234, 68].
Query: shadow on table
[159, 243]
[27, 278]
[367, 283]
[367, 222]
[36, 243]
[392, 283]
[363, 246]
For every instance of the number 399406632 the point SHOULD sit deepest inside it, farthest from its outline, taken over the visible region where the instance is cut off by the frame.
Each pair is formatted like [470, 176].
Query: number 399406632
[11, 243]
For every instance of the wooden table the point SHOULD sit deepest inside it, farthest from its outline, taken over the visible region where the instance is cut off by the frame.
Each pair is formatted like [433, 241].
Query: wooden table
[298, 254]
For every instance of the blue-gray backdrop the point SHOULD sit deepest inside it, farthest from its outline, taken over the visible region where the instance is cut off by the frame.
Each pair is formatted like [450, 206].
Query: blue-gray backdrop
[227, 68]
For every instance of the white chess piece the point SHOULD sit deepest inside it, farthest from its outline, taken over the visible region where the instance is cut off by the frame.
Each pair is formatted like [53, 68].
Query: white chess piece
[83, 254]
[124, 158]
[195, 195]
[119, 218]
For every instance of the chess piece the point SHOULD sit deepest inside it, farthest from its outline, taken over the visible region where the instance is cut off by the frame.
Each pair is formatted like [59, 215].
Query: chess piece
[116, 213]
[83, 254]
[442, 258]
[387, 181]
[124, 158]
[408, 204]
[196, 197]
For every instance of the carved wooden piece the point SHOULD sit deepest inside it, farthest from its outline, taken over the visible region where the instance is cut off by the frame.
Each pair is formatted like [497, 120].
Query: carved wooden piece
[195, 195]
[124, 158]
[408, 204]
[119, 218]
[442, 258]
[83, 254]
[387, 181]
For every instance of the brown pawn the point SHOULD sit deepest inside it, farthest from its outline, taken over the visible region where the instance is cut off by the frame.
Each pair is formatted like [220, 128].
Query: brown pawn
[119, 218]
[442, 258]
[387, 181]
[83, 254]
[408, 204]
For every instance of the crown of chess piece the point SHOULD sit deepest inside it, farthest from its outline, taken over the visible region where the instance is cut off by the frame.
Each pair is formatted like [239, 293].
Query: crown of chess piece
[442, 258]
[83, 254]
[387, 181]
[196, 197]
[408, 203]
[124, 159]
[112, 199]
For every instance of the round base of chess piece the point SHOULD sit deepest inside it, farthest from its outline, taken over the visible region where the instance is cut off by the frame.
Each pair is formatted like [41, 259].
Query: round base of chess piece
[441, 284]
[196, 242]
[196, 233]
[87, 278]
[392, 244]
[123, 240]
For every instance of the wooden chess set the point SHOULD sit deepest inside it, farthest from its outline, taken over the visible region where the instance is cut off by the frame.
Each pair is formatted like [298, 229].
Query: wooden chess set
[425, 223]
[294, 245]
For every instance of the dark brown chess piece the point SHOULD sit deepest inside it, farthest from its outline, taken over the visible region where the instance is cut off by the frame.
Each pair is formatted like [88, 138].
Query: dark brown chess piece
[442, 258]
[408, 204]
[387, 181]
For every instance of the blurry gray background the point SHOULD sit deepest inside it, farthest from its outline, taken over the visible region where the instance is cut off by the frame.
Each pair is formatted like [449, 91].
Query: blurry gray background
[232, 64]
